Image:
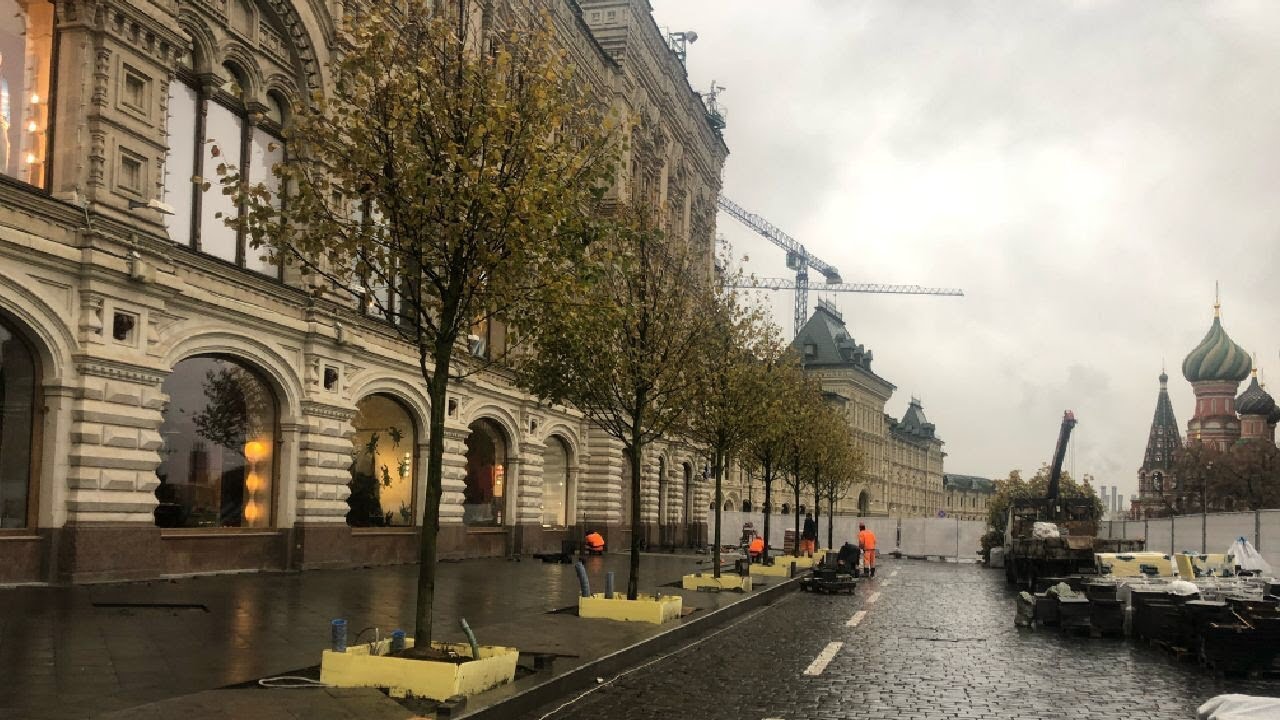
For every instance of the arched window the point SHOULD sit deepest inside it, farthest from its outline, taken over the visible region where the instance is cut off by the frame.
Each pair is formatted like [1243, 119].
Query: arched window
[663, 507]
[555, 483]
[746, 506]
[485, 494]
[786, 508]
[19, 384]
[208, 127]
[383, 464]
[217, 465]
[26, 70]
[728, 506]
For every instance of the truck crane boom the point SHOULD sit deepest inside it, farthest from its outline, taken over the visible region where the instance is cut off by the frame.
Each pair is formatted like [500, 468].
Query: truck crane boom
[1059, 453]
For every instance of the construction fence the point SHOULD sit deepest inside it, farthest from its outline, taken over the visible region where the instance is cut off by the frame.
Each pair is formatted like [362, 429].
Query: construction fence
[948, 538]
[1203, 533]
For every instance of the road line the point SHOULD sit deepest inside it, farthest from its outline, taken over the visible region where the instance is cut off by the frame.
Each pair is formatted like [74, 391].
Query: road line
[820, 663]
[873, 597]
[885, 583]
[857, 618]
[893, 574]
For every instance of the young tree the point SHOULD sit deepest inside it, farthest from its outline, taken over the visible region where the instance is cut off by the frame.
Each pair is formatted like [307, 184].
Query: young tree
[800, 418]
[732, 372]
[841, 463]
[443, 184]
[766, 450]
[1015, 487]
[626, 354]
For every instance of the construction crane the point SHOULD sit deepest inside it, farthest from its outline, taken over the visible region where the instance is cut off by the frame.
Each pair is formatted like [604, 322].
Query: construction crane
[799, 259]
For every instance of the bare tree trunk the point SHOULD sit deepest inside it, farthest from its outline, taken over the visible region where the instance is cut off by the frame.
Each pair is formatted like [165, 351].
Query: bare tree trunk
[718, 462]
[633, 452]
[831, 522]
[437, 391]
[768, 506]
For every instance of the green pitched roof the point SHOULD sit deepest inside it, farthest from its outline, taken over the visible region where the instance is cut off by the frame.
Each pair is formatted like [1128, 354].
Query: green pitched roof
[968, 482]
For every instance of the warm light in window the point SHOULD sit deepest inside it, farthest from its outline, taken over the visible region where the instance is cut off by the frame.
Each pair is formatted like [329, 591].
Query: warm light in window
[31, 158]
[253, 483]
[252, 511]
[254, 451]
[31, 126]
[35, 98]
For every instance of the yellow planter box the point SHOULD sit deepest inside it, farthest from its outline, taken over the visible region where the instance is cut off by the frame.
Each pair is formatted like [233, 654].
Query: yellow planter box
[1189, 563]
[802, 562]
[645, 608]
[775, 570]
[368, 665]
[700, 581]
[1130, 564]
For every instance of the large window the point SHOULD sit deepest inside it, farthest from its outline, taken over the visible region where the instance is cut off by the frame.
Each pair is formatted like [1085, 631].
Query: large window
[207, 128]
[382, 464]
[217, 464]
[17, 424]
[555, 483]
[26, 53]
[485, 494]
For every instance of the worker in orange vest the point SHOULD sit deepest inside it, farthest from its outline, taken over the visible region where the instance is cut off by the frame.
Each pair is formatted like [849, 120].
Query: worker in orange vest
[756, 548]
[595, 543]
[867, 541]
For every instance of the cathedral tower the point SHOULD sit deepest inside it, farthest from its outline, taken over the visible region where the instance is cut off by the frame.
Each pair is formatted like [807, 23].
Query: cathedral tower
[1155, 477]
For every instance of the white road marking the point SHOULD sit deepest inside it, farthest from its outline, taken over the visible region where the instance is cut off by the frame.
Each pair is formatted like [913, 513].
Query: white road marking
[894, 573]
[857, 618]
[885, 583]
[873, 597]
[820, 663]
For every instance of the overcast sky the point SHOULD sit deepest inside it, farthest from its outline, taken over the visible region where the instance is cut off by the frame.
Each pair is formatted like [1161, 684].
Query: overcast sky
[1084, 171]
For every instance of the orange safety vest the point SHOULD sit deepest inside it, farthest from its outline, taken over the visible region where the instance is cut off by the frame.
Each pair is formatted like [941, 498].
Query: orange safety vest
[867, 540]
[595, 542]
[757, 546]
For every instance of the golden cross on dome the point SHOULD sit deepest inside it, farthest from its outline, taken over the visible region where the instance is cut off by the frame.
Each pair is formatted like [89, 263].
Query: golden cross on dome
[1217, 303]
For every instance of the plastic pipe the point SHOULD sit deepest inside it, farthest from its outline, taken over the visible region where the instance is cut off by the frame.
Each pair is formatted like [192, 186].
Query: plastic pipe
[471, 638]
[583, 583]
[397, 640]
[608, 586]
[338, 635]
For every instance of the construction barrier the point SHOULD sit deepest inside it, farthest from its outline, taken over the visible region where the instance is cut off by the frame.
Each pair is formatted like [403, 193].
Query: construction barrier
[917, 537]
[1203, 533]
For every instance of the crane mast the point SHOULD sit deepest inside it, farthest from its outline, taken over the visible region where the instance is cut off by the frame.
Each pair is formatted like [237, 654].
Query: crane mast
[1059, 453]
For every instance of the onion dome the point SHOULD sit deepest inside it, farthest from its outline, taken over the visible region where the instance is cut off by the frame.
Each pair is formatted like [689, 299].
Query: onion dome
[1274, 417]
[1217, 358]
[1254, 400]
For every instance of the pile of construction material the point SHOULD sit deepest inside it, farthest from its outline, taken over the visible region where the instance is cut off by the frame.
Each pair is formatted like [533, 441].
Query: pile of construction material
[1207, 608]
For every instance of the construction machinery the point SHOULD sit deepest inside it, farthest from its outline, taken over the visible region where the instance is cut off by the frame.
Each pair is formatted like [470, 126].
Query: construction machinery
[1055, 536]
[800, 260]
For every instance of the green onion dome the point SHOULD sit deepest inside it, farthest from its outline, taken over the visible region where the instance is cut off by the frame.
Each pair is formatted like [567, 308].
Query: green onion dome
[1274, 417]
[1255, 401]
[1217, 358]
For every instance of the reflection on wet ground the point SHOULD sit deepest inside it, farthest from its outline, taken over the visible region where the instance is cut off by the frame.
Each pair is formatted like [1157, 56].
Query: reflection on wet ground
[71, 651]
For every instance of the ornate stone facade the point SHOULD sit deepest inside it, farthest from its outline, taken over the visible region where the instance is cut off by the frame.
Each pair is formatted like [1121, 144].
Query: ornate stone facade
[967, 496]
[904, 457]
[96, 286]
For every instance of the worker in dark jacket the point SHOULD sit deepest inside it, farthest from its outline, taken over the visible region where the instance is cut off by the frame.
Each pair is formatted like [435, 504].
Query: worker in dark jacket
[847, 558]
[808, 536]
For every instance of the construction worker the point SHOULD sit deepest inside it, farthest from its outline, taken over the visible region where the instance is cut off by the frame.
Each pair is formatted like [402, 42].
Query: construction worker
[808, 536]
[847, 558]
[595, 543]
[756, 549]
[867, 542]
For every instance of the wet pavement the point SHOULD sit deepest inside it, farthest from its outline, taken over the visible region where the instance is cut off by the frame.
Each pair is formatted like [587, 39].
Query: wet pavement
[933, 642]
[74, 652]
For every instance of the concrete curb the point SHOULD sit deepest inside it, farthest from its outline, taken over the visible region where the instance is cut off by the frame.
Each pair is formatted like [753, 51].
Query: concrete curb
[583, 677]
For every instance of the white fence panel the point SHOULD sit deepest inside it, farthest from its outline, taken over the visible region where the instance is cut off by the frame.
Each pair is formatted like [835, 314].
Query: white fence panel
[1222, 529]
[1186, 533]
[913, 536]
[1269, 542]
[1158, 538]
[970, 540]
[885, 529]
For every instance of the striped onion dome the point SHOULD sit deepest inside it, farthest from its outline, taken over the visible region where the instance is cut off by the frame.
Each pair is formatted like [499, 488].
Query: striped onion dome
[1217, 358]
[1254, 400]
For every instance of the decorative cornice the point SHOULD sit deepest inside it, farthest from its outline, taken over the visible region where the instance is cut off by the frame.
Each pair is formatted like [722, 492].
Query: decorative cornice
[115, 370]
[324, 410]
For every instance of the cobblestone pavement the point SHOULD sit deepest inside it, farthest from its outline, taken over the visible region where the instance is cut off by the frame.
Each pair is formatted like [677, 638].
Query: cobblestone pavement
[934, 642]
[75, 652]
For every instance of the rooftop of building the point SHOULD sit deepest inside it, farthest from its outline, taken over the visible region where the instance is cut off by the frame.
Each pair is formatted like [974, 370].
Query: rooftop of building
[968, 483]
